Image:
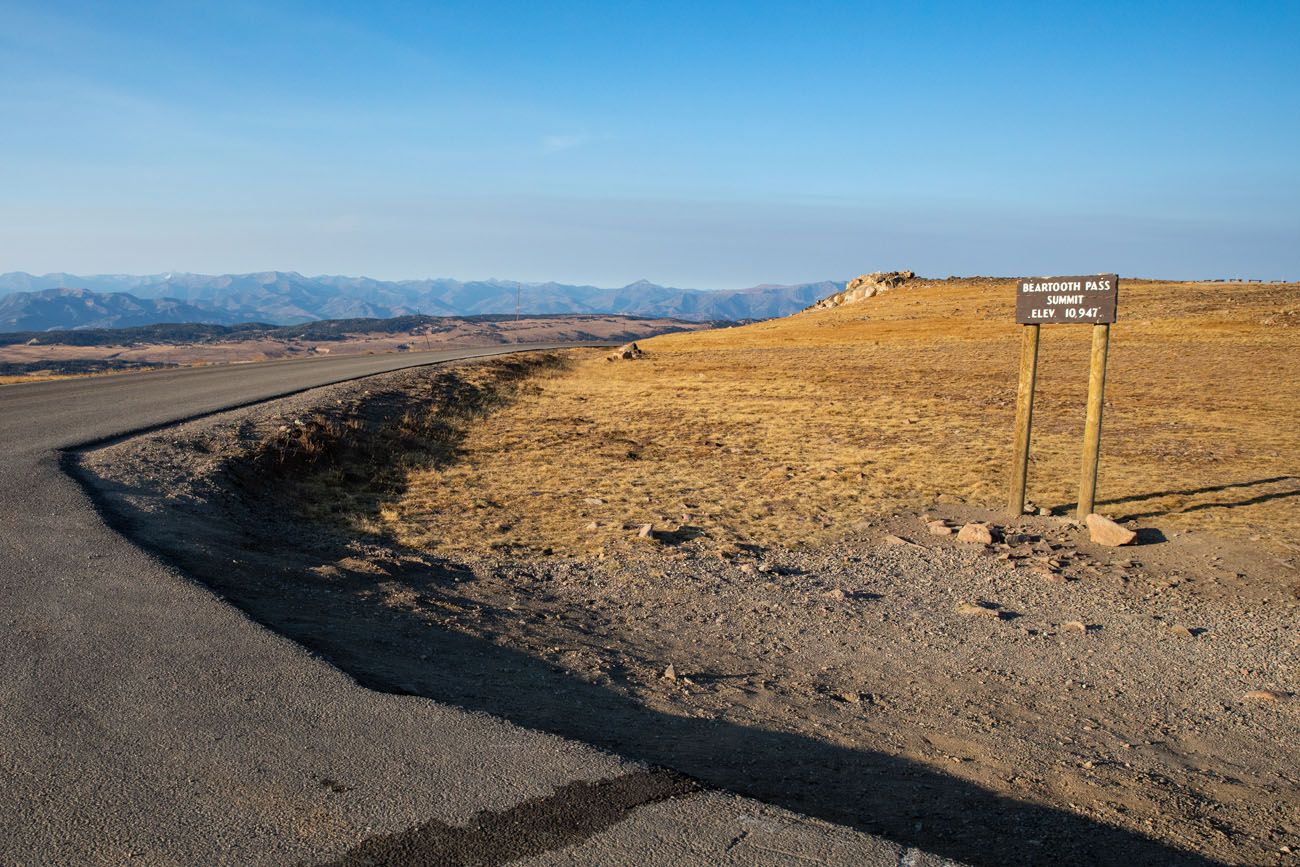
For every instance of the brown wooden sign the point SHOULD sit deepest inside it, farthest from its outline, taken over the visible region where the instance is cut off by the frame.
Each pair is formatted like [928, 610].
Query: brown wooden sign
[1063, 300]
[1067, 300]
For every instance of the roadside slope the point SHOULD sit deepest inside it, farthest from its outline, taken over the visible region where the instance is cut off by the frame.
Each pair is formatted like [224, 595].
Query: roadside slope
[146, 720]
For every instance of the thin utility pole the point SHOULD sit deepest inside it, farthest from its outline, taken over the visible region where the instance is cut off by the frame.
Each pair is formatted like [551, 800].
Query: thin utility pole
[427, 347]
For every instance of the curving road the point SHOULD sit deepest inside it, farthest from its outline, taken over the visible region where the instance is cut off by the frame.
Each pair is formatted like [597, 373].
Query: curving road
[143, 721]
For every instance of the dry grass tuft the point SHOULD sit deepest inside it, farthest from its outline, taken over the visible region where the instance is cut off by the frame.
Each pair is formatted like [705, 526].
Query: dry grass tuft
[788, 431]
[341, 463]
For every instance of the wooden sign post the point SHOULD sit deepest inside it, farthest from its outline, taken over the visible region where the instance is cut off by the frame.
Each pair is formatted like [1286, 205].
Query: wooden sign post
[1066, 301]
[1024, 418]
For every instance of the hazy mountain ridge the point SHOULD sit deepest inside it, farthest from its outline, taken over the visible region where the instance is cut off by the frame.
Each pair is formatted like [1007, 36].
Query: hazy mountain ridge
[32, 303]
[82, 308]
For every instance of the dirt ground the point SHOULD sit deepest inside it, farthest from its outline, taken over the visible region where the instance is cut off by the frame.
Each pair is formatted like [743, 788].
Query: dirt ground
[1039, 700]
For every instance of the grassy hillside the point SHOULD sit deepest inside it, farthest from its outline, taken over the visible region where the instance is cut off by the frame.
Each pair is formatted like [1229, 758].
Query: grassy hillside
[786, 431]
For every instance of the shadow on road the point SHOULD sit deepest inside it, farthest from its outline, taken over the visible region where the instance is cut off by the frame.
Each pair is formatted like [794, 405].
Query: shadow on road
[398, 651]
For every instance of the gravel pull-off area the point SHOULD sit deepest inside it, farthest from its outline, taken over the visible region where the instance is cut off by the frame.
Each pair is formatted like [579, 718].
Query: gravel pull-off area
[1036, 700]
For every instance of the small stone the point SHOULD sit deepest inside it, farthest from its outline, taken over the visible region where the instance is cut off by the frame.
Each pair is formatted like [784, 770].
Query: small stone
[837, 594]
[670, 673]
[1262, 695]
[1104, 531]
[939, 528]
[1049, 575]
[1019, 539]
[849, 697]
[972, 610]
[594, 501]
[891, 539]
[1044, 512]
[647, 531]
[976, 534]
[1075, 626]
[1181, 631]
[592, 527]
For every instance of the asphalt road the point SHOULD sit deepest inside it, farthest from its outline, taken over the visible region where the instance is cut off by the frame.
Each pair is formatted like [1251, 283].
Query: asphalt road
[144, 721]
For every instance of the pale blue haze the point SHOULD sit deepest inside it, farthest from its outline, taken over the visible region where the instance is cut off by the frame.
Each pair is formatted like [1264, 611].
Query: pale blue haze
[696, 144]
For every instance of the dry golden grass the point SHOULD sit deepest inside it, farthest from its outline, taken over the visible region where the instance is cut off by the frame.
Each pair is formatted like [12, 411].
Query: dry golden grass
[790, 430]
[46, 377]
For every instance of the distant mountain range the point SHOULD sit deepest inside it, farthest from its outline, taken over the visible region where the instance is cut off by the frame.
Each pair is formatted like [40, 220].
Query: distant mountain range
[65, 301]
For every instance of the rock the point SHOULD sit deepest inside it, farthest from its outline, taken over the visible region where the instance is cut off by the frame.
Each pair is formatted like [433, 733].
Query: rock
[939, 528]
[1051, 576]
[627, 352]
[1104, 531]
[971, 610]
[594, 501]
[592, 527]
[1018, 539]
[647, 531]
[864, 287]
[1262, 695]
[670, 673]
[1181, 631]
[897, 540]
[1075, 626]
[849, 697]
[1044, 512]
[976, 534]
[837, 594]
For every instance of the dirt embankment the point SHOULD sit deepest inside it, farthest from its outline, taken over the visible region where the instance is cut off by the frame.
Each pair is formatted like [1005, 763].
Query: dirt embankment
[1034, 700]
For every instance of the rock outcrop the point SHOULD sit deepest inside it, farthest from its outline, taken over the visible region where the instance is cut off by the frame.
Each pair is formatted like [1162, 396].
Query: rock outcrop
[864, 287]
[627, 352]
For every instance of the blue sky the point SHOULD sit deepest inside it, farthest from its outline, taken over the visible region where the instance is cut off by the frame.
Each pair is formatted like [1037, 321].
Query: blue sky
[715, 145]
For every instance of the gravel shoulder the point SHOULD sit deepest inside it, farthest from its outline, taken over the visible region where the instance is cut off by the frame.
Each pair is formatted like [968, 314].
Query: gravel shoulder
[1047, 701]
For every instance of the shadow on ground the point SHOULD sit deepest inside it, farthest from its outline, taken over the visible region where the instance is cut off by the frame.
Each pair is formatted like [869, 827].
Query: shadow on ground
[1250, 490]
[397, 651]
[338, 614]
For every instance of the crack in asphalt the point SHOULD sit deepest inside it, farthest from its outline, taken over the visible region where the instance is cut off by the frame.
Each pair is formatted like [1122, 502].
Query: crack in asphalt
[575, 812]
